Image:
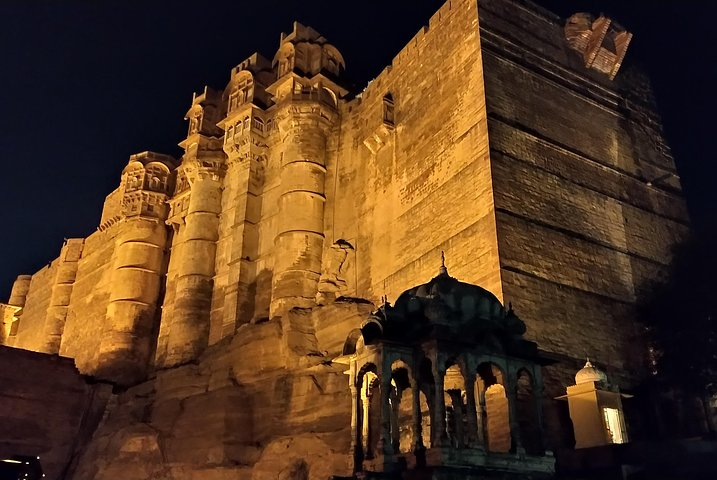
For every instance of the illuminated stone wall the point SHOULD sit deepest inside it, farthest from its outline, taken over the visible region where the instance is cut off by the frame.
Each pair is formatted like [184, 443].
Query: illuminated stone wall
[530, 171]
[580, 231]
[90, 296]
[46, 301]
[407, 192]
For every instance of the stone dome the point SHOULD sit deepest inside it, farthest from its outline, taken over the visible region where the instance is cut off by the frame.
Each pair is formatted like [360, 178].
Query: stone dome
[590, 374]
[446, 300]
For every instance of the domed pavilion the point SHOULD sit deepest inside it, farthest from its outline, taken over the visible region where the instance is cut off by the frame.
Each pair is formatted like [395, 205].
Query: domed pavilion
[443, 382]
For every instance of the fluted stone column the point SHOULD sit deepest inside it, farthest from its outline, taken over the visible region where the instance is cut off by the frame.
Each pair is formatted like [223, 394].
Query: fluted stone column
[20, 287]
[125, 347]
[300, 238]
[60, 295]
[188, 333]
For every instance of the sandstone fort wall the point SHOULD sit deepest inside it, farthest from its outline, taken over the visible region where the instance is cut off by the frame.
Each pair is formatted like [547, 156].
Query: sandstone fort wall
[428, 187]
[485, 138]
[581, 233]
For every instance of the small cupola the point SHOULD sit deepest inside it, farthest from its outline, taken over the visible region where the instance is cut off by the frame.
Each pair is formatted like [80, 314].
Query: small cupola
[595, 409]
[589, 373]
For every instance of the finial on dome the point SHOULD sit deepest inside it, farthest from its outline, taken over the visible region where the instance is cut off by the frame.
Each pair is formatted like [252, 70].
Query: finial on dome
[443, 270]
[590, 373]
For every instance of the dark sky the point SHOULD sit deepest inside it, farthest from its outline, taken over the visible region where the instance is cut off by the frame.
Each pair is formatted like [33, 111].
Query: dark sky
[84, 84]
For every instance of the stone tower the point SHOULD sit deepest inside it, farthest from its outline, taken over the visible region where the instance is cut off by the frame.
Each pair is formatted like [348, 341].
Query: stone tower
[306, 98]
[194, 217]
[126, 345]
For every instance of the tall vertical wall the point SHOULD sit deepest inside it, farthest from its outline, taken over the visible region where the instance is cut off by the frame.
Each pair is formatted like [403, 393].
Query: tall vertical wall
[406, 191]
[580, 231]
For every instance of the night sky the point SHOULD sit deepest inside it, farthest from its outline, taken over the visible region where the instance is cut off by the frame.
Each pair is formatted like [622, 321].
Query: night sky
[85, 84]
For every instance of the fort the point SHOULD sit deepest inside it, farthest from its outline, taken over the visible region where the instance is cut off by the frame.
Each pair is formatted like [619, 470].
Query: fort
[238, 308]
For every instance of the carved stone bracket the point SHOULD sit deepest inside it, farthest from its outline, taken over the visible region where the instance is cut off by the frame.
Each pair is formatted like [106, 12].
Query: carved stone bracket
[378, 138]
[602, 43]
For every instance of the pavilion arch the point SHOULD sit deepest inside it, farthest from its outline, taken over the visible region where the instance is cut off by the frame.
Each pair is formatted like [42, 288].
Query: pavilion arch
[371, 330]
[494, 411]
[402, 427]
[351, 343]
[369, 413]
[454, 397]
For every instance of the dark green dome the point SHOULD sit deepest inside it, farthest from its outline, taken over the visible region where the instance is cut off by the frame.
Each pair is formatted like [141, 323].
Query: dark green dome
[454, 307]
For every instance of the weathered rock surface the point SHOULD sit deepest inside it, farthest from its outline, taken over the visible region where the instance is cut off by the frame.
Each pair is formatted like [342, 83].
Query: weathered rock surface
[264, 404]
[47, 408]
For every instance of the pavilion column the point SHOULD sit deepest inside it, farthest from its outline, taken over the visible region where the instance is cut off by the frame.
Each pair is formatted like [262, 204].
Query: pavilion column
[395, 433]
[439, 415]
[472, 421]
[511, 393]
[481, 420]
[457, 403]
[366, 432]
[355, 415]
[385, 445]
[417, 416]
[538, 405]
